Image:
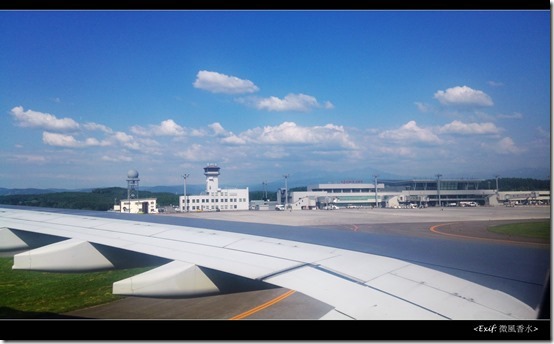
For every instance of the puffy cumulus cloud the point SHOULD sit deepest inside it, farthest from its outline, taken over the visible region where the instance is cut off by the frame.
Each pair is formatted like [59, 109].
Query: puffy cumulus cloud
[165, 128]
[221, 83]
[63, 140]
[233, 139]
[198, 132]
[457, 127]
[217, 129]
[125, 140]
[169, 128]
[291, 102]
[290, 133]
[410, 132]
[91, 141]
[60, 140]
[116, 139]
[46, 121]
[504, 146]
[463, 95]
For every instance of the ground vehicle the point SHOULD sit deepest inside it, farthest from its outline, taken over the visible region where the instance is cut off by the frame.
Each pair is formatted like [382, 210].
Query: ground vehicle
[280, 207]
[330, 207]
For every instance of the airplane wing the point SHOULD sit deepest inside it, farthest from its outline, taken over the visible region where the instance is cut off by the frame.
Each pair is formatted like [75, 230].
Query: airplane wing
[200, 261]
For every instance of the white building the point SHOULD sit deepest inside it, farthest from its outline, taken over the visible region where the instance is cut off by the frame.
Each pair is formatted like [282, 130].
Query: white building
[408, 193]
[133, 204]
[334, 195]
[137, 206]
[214, 198]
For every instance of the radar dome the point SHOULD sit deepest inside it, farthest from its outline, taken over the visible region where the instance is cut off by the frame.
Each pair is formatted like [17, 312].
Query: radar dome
[132, 174]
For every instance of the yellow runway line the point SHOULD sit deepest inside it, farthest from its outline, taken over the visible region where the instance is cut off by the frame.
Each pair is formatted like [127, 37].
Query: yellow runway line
[263, 306]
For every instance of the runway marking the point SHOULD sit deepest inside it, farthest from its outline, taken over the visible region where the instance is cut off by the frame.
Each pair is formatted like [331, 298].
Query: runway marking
[263, 306]
[434, 230]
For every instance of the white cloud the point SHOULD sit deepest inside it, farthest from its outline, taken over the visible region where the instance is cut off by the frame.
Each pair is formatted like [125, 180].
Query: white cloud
[291, 102]
[504, 146]
[397, 151]
[60, 140]
[28, 158]
[495, 83]
[47, 121]
[198, 132]
[328, 105]
[91, 141]
[126, 140]
[457, 127]
[289, 133]
[217, 128]
[95, 126]
[463, 95]
[422, 107]
[63, 140]
[410, 132]
[116, 158]
[196, 152]
[221, 83]
[234, 140]
[165, 128]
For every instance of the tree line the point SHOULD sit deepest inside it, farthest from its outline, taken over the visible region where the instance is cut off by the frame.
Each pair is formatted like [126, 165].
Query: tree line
[98, 199]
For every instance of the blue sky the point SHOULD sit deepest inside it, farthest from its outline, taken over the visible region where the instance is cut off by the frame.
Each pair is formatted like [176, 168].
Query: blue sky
[88, 95]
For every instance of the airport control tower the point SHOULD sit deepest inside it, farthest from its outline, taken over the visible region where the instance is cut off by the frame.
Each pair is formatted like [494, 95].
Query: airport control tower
[212, 173]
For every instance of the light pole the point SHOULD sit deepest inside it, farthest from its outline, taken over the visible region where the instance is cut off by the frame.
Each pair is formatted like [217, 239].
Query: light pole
[497, 183]
[375, 181]
[286, 191]
[185, 206]
[264, 183]
[439, 187]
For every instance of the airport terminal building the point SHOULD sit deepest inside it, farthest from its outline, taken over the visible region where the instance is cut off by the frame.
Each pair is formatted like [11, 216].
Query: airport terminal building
[214, 198]
[413, 193]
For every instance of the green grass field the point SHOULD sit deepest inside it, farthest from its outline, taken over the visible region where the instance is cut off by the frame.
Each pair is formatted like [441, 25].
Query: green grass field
[535, 229]
[33, 294]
